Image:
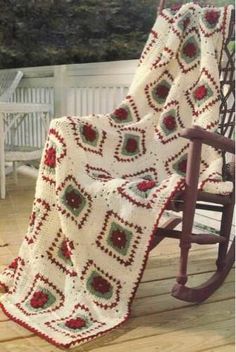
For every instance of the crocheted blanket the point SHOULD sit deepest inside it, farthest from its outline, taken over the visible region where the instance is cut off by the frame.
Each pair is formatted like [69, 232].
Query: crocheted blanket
[105, 181]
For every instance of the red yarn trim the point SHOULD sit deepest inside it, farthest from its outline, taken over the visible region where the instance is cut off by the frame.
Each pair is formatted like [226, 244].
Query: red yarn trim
[212, 180]
[30, 328]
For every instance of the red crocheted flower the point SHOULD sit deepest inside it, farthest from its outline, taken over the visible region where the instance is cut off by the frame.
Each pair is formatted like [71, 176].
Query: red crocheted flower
[66, 249]
[169, 122]
[146, 185]
[182, 166]
[190, 50]
[73, 199]
[118, 238]
[89, 133]
[121, 114]
[39, 299]
[13, 264]
[77, 323]
[212, 16]
[101, 285]
[50, 157]
[162, 91]
[131, 145]
[200, 92]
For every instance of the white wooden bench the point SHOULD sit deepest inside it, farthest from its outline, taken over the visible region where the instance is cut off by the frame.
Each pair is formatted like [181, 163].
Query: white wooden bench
[11, 117]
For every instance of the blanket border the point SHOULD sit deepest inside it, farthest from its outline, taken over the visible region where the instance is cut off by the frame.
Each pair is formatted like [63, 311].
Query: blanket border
[25, 325]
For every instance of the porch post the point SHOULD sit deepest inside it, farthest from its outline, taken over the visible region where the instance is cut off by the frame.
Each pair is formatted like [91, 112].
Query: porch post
[60, 91]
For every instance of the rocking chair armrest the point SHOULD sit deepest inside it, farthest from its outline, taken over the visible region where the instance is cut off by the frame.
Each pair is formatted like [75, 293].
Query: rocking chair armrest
[209, 138]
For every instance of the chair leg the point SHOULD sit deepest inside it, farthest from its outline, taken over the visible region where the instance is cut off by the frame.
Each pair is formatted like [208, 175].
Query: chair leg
[185, 244]
[224, 262]
[2, 160]
[200, 293]
[157, 238]
[225, 230]
[191, 190]
[15, 171]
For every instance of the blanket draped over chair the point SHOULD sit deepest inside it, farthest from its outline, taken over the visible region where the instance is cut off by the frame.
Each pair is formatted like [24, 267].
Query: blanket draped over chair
[105, 181]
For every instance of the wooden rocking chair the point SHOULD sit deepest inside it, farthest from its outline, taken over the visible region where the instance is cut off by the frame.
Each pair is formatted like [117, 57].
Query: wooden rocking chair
[191, 199]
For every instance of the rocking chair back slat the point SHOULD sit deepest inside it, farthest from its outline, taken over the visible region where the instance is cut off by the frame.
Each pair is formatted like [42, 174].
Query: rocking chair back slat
[227, 74]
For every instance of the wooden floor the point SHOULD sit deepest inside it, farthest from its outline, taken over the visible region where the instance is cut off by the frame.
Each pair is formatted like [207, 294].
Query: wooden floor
[159, 323]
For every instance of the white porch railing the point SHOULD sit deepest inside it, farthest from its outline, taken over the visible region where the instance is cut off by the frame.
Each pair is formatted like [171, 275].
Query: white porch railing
[79, 89]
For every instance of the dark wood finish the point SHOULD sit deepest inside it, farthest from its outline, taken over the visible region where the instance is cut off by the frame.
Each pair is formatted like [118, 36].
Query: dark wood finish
[159, 236]
[215, 140]
[225, 229]
[194, 237]
[214, 198]
[227, 73]
[202, 292]
[208, 207]
[188, 200]
[177, 204]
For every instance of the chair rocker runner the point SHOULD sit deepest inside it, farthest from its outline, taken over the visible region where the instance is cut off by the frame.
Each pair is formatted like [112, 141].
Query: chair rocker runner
[191, 198]
[11, 117]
